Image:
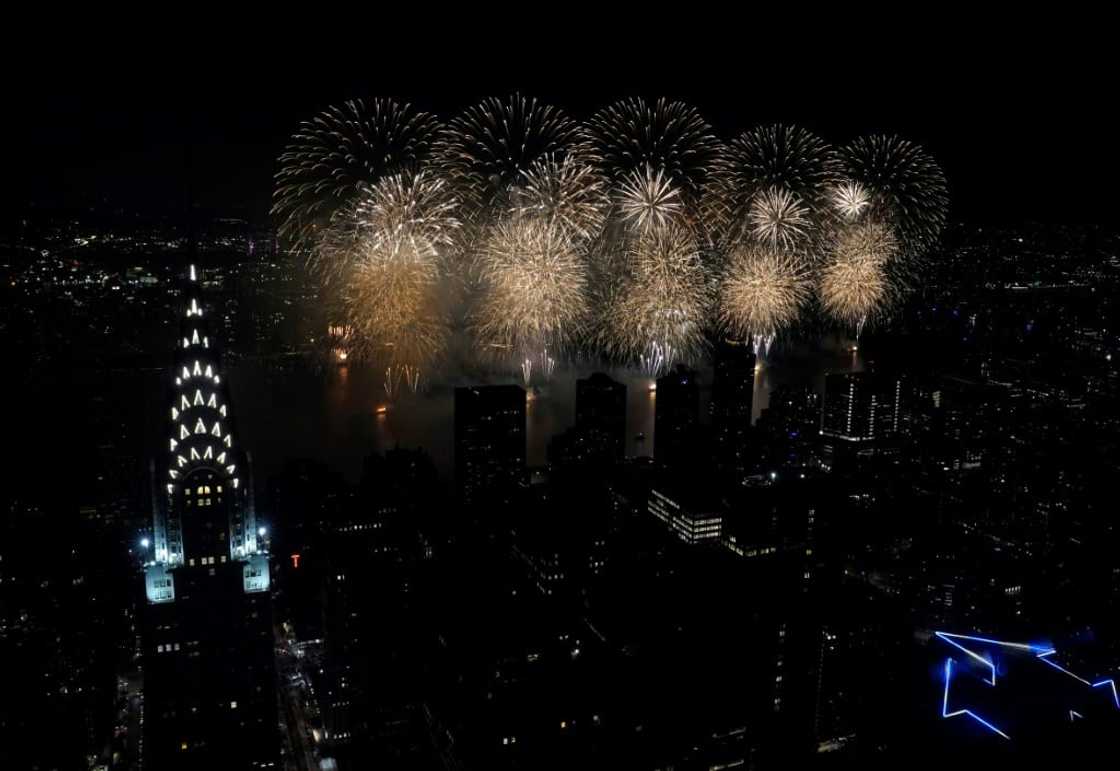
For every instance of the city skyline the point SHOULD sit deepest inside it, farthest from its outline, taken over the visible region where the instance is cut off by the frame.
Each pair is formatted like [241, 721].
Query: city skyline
[552, 426]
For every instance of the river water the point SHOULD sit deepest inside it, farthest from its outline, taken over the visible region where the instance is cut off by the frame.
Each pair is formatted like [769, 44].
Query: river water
[337, 417]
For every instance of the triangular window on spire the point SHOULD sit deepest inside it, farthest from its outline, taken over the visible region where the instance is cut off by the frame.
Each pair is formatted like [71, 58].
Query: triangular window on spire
[217, 380]
[186, 343]
[194, 454]
[221, 458]
[197, 368]
[228, 440]
[213, 402]
[200, 427]
[209, 371]
[231, 468]
[174, 413]
[174, 444]
[236, 482]
[198, 397]
[205, 342]
[174, 474]
[183, 432]
[184, 403]
[186, 373]
[217, 429]
[180, 460]
[194, 337]
[222, 410]
[209, 454]
[170, 488]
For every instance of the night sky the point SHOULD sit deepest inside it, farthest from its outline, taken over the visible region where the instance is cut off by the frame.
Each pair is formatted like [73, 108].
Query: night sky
[1023, 132]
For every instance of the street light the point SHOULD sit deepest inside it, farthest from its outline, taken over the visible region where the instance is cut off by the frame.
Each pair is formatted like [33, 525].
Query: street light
[262, 530]
[145, 543]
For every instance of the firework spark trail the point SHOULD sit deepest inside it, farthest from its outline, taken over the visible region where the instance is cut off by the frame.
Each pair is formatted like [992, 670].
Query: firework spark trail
[331, 156]
[763, 291]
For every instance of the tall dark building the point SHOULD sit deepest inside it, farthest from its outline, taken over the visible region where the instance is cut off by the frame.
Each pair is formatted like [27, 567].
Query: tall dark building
[489, 441]
[732, 403]
[676, 417]
[209, 672]
[601, 412]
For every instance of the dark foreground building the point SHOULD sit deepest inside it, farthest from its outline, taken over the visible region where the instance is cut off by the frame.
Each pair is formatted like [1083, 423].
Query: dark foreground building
[209, 672]
[489, 442]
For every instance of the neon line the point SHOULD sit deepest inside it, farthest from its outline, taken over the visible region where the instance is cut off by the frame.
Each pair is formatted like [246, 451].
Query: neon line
[973, 654]
[1064, 670]
[1022, 646]
[945, 704]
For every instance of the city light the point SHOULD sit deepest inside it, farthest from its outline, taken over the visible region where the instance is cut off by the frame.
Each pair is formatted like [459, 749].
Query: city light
[261, 531]
[145, 543]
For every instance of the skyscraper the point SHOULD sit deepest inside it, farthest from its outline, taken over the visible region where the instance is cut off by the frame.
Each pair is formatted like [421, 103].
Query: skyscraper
[676, 417]
[489, 441]
[858, 408]
[732, 404]
[209, 673]
[601, 412]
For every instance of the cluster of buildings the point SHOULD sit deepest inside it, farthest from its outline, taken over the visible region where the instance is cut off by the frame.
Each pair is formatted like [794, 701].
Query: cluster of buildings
[756, 594]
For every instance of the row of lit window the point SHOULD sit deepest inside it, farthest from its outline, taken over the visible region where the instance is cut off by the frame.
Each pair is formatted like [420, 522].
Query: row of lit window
[205, 560]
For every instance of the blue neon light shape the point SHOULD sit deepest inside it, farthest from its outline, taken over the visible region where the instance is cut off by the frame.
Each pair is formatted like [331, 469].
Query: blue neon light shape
[1109, 681]
[1042, 653]
[945, 713]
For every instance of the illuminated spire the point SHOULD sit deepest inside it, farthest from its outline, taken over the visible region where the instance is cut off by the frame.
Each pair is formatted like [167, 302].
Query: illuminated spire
[200, 416]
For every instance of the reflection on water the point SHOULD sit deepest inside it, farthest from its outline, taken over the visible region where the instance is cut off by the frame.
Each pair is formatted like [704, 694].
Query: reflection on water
[340, 415]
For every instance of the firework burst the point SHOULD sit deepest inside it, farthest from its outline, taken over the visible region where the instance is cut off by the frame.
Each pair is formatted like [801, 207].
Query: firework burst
[673, 137]
[385, 252]
[776, 156]
[486, 149]
[332, 156]
[658, 309]
[779, 218]
[905, 186]
[566, 194]
[533, 288]
[763, 291]
[647, 199]
[760, 164]
[850, 200]
[855, 285]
